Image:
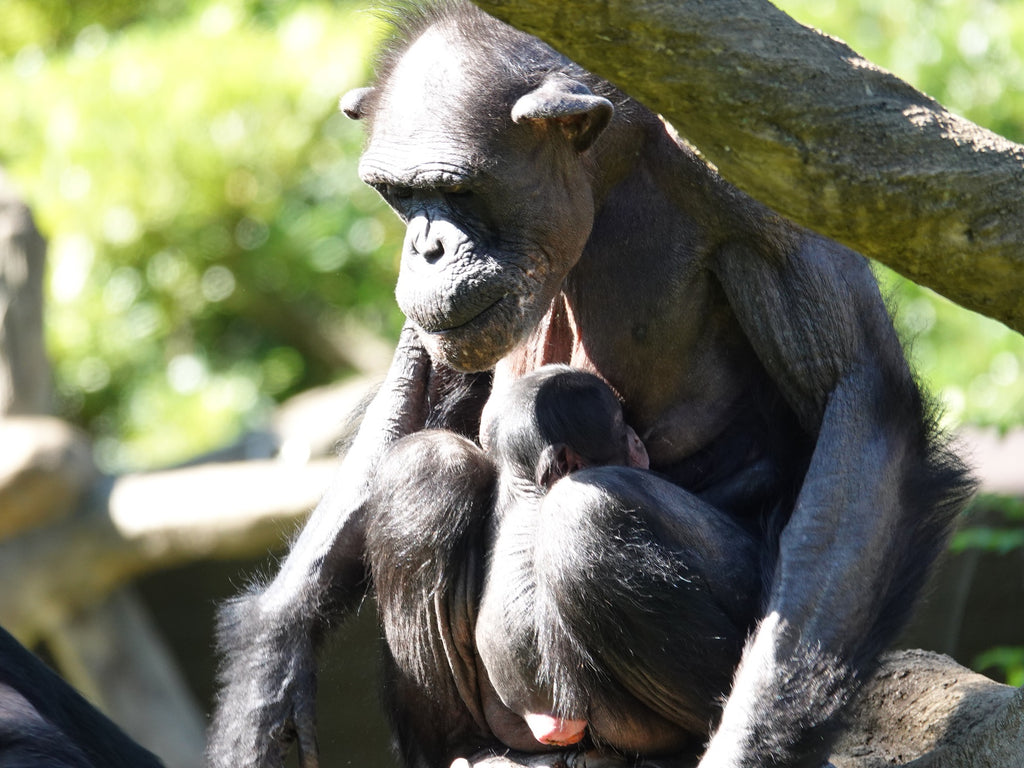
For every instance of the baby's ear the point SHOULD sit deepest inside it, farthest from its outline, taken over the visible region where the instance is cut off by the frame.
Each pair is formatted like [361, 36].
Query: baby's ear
[557, 461]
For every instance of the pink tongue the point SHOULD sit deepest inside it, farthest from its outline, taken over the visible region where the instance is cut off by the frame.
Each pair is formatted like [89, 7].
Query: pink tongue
[554, 730]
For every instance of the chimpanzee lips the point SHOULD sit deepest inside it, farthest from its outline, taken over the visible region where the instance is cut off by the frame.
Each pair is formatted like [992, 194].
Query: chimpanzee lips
[444, 323]
[479, 341]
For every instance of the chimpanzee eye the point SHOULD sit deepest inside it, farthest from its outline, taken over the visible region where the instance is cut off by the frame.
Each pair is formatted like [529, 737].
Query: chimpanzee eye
[456, 190]
[399, 193]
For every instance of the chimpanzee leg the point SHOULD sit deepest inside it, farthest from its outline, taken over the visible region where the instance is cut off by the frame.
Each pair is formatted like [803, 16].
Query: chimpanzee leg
[645, 596]
[429, 504]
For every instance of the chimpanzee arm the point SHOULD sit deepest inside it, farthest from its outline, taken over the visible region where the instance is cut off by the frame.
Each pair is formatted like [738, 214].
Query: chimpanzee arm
[267, 638]
[872, 513]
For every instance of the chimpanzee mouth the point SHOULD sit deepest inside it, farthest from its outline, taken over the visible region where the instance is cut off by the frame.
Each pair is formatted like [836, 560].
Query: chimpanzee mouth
[443, 326]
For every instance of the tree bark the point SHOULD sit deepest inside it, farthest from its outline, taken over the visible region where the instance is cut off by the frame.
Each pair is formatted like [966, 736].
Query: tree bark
[45, 468]
[925, 709]
[804, 124]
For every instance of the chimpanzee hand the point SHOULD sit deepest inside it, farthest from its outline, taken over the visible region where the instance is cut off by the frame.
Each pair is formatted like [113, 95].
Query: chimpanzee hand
[267, 637]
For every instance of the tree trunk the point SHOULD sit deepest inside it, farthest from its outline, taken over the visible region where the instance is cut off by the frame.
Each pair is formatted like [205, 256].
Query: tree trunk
[801, 122]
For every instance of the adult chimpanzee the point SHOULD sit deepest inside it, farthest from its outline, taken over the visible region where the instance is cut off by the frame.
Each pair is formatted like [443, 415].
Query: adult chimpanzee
[45, 722]
[595, 583]
[552, 219]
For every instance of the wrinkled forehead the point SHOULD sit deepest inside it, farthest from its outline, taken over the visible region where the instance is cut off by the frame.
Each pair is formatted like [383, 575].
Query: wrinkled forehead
[432, 117]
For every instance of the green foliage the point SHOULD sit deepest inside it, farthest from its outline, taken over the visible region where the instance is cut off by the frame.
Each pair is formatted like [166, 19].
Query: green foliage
[974, 365]
[49, 25]
[1006, 535]
[967, 55]
[999, 540]
[208, 232]
[1005, 661]
[964, 53]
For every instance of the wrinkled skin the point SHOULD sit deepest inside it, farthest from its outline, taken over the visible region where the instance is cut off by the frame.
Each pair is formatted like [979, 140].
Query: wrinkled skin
[551, 219]
[479, 270]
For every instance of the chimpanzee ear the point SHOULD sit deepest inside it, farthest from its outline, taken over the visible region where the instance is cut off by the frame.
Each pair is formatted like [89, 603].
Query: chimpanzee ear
[548, 472]
[353, 102]
[569, 104]
[556, 461]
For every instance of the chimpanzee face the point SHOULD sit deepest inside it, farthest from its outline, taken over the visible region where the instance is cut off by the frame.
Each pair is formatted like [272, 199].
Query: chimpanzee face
[493, 189]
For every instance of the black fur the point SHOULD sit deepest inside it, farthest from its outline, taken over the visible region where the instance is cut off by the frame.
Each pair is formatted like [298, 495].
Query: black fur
[432, 498]
[45, 722]
[555, 405]
[572, 627]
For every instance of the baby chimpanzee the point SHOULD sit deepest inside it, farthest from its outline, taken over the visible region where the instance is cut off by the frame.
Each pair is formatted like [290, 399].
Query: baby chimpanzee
[601, 644]
[549, 590]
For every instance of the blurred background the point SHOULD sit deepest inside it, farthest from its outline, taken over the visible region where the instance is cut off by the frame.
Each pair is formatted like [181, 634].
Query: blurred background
[218, 277]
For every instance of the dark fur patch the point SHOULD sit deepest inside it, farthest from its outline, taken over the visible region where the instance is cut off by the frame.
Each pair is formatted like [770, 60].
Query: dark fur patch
[44, 721]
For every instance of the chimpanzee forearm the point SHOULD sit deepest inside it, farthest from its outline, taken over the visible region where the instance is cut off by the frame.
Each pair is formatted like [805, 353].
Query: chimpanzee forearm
[267, 637]
[891, 488]
[872, 514]
[803, 664]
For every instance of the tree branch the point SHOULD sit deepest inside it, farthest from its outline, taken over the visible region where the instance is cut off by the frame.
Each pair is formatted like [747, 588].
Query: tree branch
[801, 122]
[926, 708]
[45, 467]
[138, 523]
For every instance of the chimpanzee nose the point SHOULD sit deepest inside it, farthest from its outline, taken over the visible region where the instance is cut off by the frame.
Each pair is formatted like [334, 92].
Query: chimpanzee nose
[423, 239]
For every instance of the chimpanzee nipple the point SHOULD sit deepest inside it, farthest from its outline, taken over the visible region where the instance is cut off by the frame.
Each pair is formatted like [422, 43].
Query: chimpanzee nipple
[556, 731]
